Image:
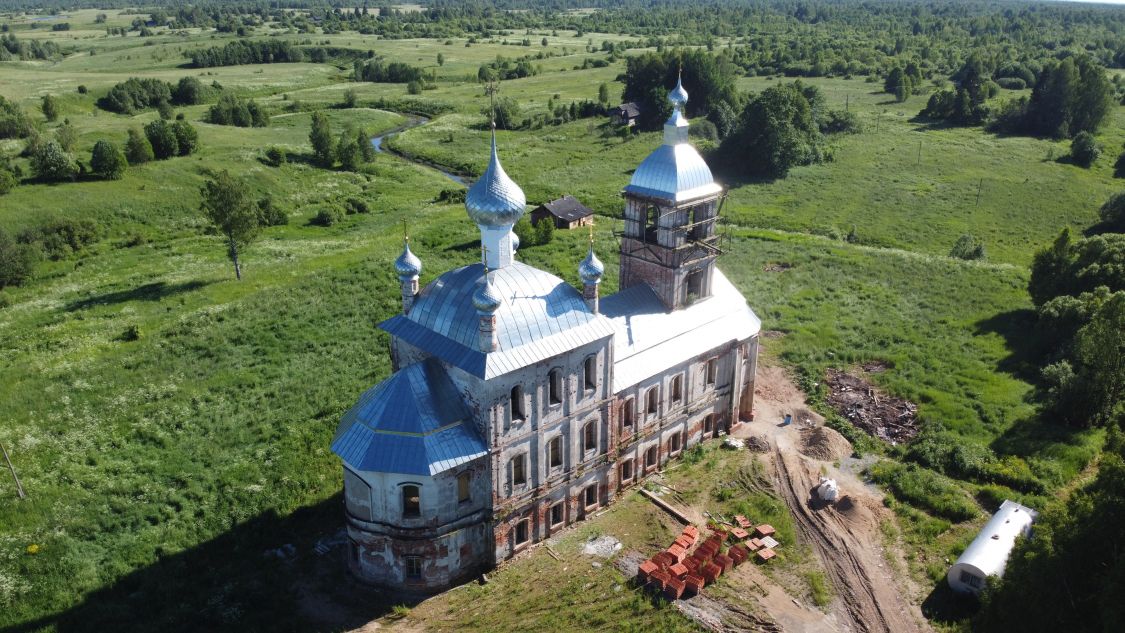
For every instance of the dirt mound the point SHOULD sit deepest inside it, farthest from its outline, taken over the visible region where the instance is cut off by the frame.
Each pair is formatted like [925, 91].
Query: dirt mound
[821, 442]
[757, 444]
[886, 417]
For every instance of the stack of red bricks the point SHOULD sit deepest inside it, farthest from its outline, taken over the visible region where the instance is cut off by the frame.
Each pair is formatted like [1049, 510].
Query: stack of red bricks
[754, 542]
[674, 573]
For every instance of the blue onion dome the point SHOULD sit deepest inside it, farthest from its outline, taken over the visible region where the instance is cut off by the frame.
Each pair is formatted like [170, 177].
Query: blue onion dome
[515, 242]
[678, 96]
[408, 265]
[495, 200]
[485, 298]
[591, 269]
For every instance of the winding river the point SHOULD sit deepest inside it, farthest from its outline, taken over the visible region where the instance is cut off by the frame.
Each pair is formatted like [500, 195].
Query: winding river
[413, 121]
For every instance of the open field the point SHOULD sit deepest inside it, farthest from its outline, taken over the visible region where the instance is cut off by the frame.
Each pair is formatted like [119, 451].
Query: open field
[161, 471]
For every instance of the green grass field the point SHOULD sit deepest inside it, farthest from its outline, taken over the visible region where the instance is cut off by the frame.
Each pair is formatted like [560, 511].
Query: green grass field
[160, 470]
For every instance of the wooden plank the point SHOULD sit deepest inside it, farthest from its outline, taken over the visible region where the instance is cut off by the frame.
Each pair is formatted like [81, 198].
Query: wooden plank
[19, 486]
[680, 516]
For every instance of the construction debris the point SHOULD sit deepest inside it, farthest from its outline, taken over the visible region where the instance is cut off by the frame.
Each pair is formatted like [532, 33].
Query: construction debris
[734, 443]
[883, 416]
[827, 490]
[758, 444]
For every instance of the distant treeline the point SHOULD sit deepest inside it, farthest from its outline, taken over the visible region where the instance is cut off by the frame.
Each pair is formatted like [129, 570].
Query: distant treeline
[12, 48]
[241, 52]
[379, 71]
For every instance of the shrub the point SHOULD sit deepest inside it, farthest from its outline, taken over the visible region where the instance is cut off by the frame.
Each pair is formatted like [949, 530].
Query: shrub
[275, 156]
[131, 333]
[270, 214]
[137, 149]
[1084, 149]
[925, 489]
[135, 94]
[350, 98]
[51, 162]
[189, 91]
[967, 247]
[59, 238]
[50, 107]
[162, 138]
[1011, 83]
[14, 122]
[165, 110]
[107, 161]
[1119, 166]
[1112, 213]
[840, 122]
[187, 139]
[355, 205]
[7, 181]
[82, 89]
[545, 231]
[452, 196]
[327, 216]
[414, 87]
[17, 261]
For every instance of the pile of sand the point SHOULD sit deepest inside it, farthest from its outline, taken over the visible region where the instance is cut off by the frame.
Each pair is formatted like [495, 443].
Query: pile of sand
[821, 442]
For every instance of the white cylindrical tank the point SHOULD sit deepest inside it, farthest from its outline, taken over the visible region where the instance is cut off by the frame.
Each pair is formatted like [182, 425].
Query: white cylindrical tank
[828, 490]
[988, 553]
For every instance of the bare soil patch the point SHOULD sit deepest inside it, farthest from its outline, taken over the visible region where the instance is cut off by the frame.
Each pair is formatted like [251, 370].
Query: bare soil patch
[777, 267]
[864, 405]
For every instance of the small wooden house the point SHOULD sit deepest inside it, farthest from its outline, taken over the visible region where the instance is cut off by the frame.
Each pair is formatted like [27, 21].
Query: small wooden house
[566, 212]
[626, 114]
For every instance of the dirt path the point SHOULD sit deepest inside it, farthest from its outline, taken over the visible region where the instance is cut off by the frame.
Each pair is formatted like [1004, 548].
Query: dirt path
[846, 537]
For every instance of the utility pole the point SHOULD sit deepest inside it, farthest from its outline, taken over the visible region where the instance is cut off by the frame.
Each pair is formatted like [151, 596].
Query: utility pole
[19, 486]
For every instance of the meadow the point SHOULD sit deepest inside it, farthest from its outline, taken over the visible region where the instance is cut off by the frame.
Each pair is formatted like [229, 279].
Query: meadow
[161, 471]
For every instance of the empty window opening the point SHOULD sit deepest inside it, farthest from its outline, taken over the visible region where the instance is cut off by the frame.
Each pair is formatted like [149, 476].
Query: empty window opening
[677, 388]
[554, 452]
[556, 514]
[709, 423]
[626, 470]
[463, 481]
[712, 371]
[695, 285]
[651, 401]
[411, 501]
[699, 225]
[627, 414]
[674, 442]
[591, 494]
[523, 531]
[518, 412]
[650, 457]
[591, 372]
[652, 223]
[589, 437]
[413, 566]
[554, 381]
[519, 470]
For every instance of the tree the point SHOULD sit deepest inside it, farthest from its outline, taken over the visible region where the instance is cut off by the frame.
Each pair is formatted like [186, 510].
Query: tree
[898, 83]
[1084, 149]
[967, 247]
[187, 138]
[67, 136]
[709, 80]
[51, 162]
[545, 231]
[1112, 213]
[107, 161]
[440, 59]
[348, 152]
[233, 212]
[1070, 96]
[363, 143]
[50, 107]
[776, 132]
[17, 261]
[603, 94]
[137, 149]
[321, 138]
[163, 139]
[189, 91]
[505, 113]
[350, 98]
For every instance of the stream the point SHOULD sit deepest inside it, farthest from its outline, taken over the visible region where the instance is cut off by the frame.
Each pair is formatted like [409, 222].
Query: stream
[412, 122]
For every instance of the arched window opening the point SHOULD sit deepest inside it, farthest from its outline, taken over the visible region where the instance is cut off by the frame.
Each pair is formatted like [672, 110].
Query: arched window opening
[554, 386]
[518, 413]
[651, 401]
[627, 414]
[591, 372]
[554, 452]
[589, 437]
[677, 388]
[411, 502]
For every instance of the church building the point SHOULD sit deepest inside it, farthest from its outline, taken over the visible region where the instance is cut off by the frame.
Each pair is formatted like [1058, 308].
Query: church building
[520, 404]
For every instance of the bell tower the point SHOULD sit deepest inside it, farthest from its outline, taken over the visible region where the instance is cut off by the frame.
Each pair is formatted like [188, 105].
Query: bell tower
[671, 208]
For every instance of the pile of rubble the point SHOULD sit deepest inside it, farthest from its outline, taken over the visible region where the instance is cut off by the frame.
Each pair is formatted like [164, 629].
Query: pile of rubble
[676, 573]
[885, 417]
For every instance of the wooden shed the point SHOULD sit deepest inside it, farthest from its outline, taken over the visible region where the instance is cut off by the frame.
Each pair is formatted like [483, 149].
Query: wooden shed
[566, 212]
[626, 114]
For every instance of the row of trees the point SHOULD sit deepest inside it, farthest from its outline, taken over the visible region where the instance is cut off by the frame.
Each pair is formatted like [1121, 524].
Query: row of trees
[12, 48]
[352, 148]
[231, 110]
[241, 52]
[380, 71]
[136, 94]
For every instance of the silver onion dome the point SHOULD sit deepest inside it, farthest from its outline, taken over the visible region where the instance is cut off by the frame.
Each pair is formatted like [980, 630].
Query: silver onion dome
[485, 298]
[495, 200]
[591, 269]
[678, 96]
[408, 265]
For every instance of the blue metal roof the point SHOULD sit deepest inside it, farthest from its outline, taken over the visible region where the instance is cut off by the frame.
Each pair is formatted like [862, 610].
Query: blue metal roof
[540, 316]
[413, 423]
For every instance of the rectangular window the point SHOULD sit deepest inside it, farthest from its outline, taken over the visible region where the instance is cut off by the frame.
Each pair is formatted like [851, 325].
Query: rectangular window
[626, 470]
[554, 452]
[677, 388]
[590, 370]
[555, 387]
[650, 457]
[674, 442]
[556, 514]
[627, 414]
[651, 401]
[463, 481]
[591, 495]
[589, 437]
[712, 371]
[519, 470]
[518, 413]
[411, 502]
[709, 423]
[523, 531]
[413, 566]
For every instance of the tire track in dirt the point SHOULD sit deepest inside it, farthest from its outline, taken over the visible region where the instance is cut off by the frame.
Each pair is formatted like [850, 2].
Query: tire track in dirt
[870, 604]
